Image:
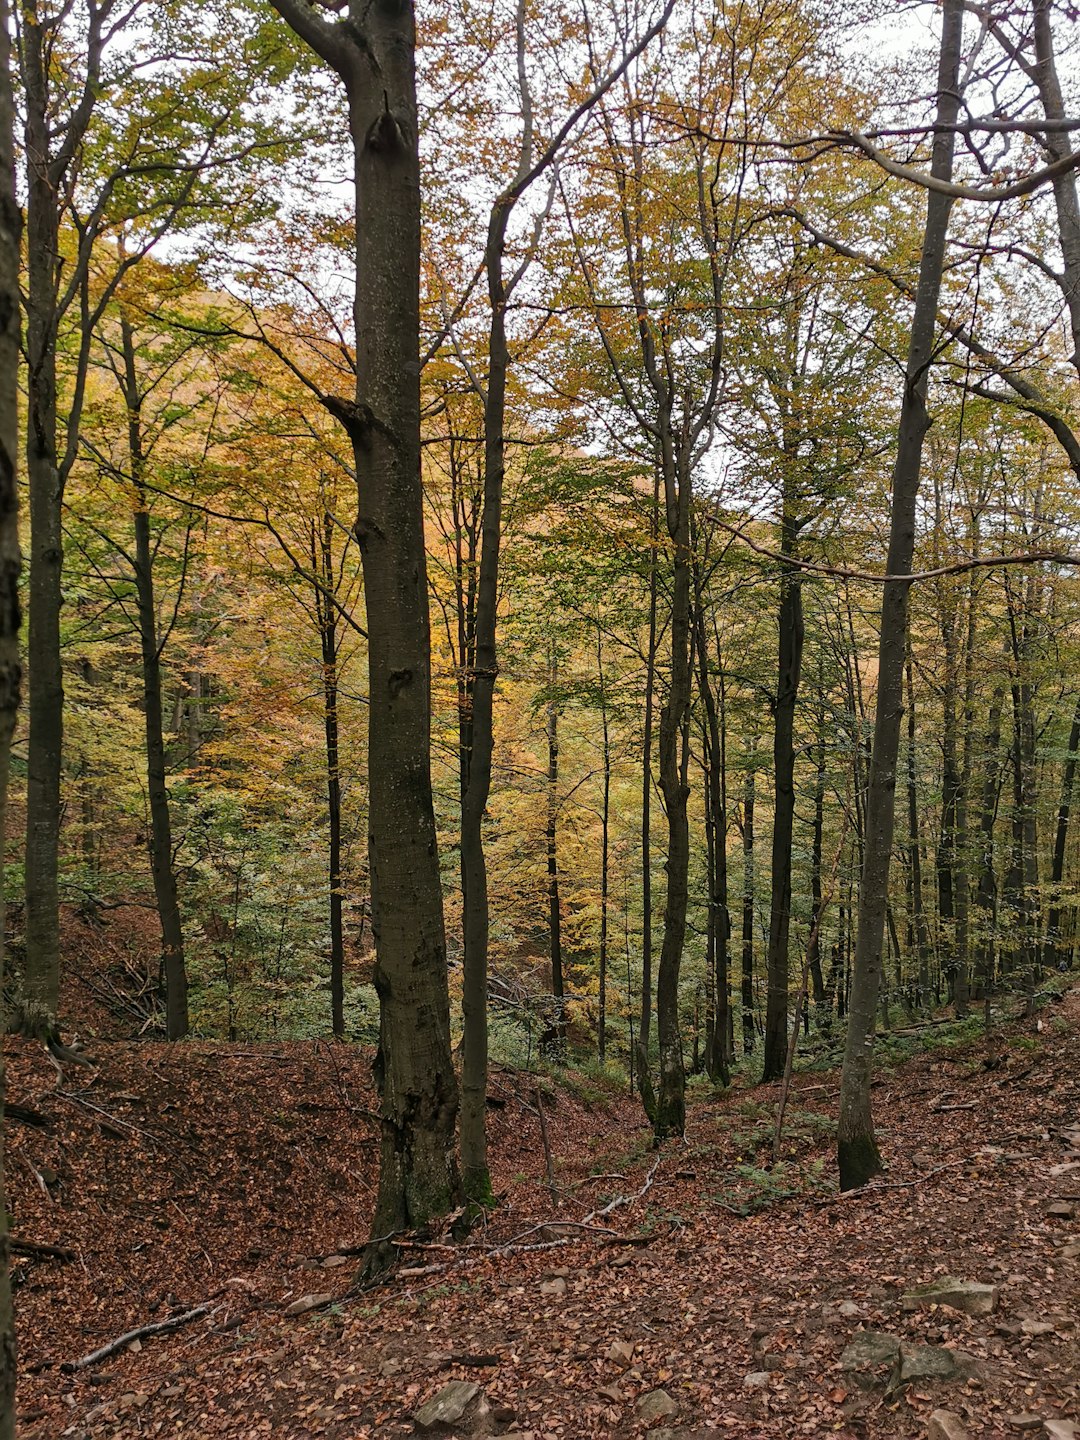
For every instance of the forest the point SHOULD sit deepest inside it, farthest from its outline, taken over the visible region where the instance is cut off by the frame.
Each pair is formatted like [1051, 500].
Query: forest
[539, 625]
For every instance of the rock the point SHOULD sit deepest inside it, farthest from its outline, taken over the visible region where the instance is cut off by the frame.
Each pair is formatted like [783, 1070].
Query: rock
[945, 1425]
[555, 1288]
[1023, 1422]
[611, 1392]
[1061, 1210]
[1071, 1251]
[931, 1362]
[969, 1296]
[756, 1380]
[459, 1405]
[622, 1352]
[306, 1303]
[849, 1310]
[390, 1366]
[1037, 1327]
[656, 1405]
[1061, 1429]
[870, 1348]
[332, 1262]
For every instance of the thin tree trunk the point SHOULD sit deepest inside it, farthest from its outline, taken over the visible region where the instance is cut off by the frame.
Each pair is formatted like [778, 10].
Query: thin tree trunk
[920, 929]
[986, 888]
[857, 1150]
[161, 843]
[556, 1035]
[1056, 951]
[373, 51]
[10, 664]
[790, 648]
[748, 908]
[604, 852]
[644, 1074]
[322, 564]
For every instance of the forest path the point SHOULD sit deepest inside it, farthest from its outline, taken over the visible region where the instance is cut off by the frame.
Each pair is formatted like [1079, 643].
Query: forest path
[229, 1174]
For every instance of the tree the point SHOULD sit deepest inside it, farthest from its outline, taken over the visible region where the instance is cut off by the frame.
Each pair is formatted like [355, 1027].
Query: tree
[857, 1151]
[372, 50]
[10, 565]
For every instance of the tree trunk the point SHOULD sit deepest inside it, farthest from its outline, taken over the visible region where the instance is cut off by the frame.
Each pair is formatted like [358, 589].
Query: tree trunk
[161, 843]
[748, 909]
[45, 486]
[670, 1116]
[857, 1150]
[919, 928]
[10, 564]
[1057, 952]
[555, 1038]
[322, 564]
[605, 827]
[373, 50]
[717, 1046]
[790, 638]
[644, 1076]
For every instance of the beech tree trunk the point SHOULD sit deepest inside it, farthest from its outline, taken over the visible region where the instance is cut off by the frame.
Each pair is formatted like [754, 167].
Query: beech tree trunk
[555, 1037]
[161, 842]
[1058, 943]
[670, 1113]
[322, 565]
[748, 909]
[10, 564]
[857, 1151]
[44, 175]
[644, 1074]
[373, 50]
[790, 648]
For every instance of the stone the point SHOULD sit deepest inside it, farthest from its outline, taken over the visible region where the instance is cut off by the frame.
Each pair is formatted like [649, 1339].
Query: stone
[1024, 1422]
[459, 1405]
[932, 1362]
[945, 1425]
[1061, 1429]
[869, 1348]
[656, 1405]
[611, 1392]
[1061, 1210]
[306, 1303]
[756, 1380]
[556, 1288]
[1071, 1251]
[390, 1366]
[969, 1296]
[332, 1262]
[1037, 1327]
[849, 1310]
[622, 1352]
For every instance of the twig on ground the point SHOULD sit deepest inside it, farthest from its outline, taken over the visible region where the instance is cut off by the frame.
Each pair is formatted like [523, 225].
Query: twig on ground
[158, 1327]
[49, 1252]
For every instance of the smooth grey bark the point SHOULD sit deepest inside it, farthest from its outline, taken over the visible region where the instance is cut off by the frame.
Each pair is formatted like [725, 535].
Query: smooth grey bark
[1059, 147]
[857, 1151]
[161, 842]
[372, 49]
[10, 662]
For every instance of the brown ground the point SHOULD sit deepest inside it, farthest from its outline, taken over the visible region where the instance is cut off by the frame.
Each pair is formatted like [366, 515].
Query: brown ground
[220, 1174]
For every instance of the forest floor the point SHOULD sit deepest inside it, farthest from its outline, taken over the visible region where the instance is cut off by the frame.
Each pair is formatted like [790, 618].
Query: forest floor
[241, 1178]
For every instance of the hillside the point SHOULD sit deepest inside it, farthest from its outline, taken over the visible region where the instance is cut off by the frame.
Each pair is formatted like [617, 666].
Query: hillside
[240, 1179]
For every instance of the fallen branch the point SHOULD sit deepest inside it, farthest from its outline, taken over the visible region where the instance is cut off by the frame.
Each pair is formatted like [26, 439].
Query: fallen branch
[621, 1200]
[158, 1327]
[49, 1252]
